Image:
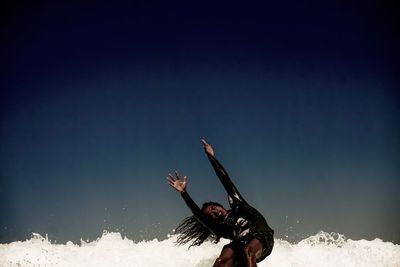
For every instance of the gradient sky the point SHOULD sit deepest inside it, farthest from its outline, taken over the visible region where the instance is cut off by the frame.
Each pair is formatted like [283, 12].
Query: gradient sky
[100, 101]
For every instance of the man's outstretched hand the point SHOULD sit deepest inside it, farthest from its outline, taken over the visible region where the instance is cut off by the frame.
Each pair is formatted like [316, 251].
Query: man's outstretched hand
[208, 149]
[177, 183]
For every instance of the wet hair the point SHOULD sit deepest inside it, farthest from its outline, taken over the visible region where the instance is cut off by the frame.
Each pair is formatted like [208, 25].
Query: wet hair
[194, 231]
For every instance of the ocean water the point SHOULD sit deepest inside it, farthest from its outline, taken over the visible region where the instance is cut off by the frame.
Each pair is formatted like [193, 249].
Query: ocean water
[111, 249]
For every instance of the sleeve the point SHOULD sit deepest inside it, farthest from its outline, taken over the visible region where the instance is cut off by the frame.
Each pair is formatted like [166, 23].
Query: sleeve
[198, 213]
[233, 193]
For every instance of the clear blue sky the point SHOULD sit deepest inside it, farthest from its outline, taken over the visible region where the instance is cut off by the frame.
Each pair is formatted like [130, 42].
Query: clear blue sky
[100, 101]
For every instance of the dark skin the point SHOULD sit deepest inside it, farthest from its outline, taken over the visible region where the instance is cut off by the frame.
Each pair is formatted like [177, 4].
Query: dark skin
[216, 213]
[251, 251]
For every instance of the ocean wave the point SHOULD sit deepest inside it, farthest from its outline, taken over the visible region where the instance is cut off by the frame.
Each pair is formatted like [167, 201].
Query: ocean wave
[111, 249]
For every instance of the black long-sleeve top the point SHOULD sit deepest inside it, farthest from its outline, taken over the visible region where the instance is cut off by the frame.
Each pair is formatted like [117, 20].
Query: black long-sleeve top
[240, 221]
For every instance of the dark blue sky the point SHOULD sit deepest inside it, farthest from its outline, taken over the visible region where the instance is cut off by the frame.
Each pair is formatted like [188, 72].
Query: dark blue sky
[100, 101]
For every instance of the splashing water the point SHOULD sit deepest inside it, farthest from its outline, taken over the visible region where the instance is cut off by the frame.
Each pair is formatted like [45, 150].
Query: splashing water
[111, 249]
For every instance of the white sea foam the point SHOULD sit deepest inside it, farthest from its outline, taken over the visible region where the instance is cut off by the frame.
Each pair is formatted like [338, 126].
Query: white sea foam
[111, 249]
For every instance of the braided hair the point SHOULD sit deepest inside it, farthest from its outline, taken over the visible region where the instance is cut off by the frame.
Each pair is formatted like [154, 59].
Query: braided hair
[193, 230]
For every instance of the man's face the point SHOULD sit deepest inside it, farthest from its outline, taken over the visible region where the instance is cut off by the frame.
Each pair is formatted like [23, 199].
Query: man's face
[215, 213]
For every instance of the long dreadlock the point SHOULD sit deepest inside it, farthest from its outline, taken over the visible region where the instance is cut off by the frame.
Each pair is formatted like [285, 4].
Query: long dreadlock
[194, 231]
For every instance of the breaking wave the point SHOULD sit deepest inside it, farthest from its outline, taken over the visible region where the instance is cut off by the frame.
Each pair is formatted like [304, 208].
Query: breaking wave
[111, 249]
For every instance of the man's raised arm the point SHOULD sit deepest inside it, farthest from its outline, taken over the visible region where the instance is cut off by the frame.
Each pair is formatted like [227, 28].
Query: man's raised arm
[180, 186]
[222, 174]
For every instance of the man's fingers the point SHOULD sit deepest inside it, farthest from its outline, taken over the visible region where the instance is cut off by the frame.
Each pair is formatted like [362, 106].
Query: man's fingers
[204, 142]
[169, 180]
[184, 179]
[172, 177]
[177, 175]
[172, 185]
